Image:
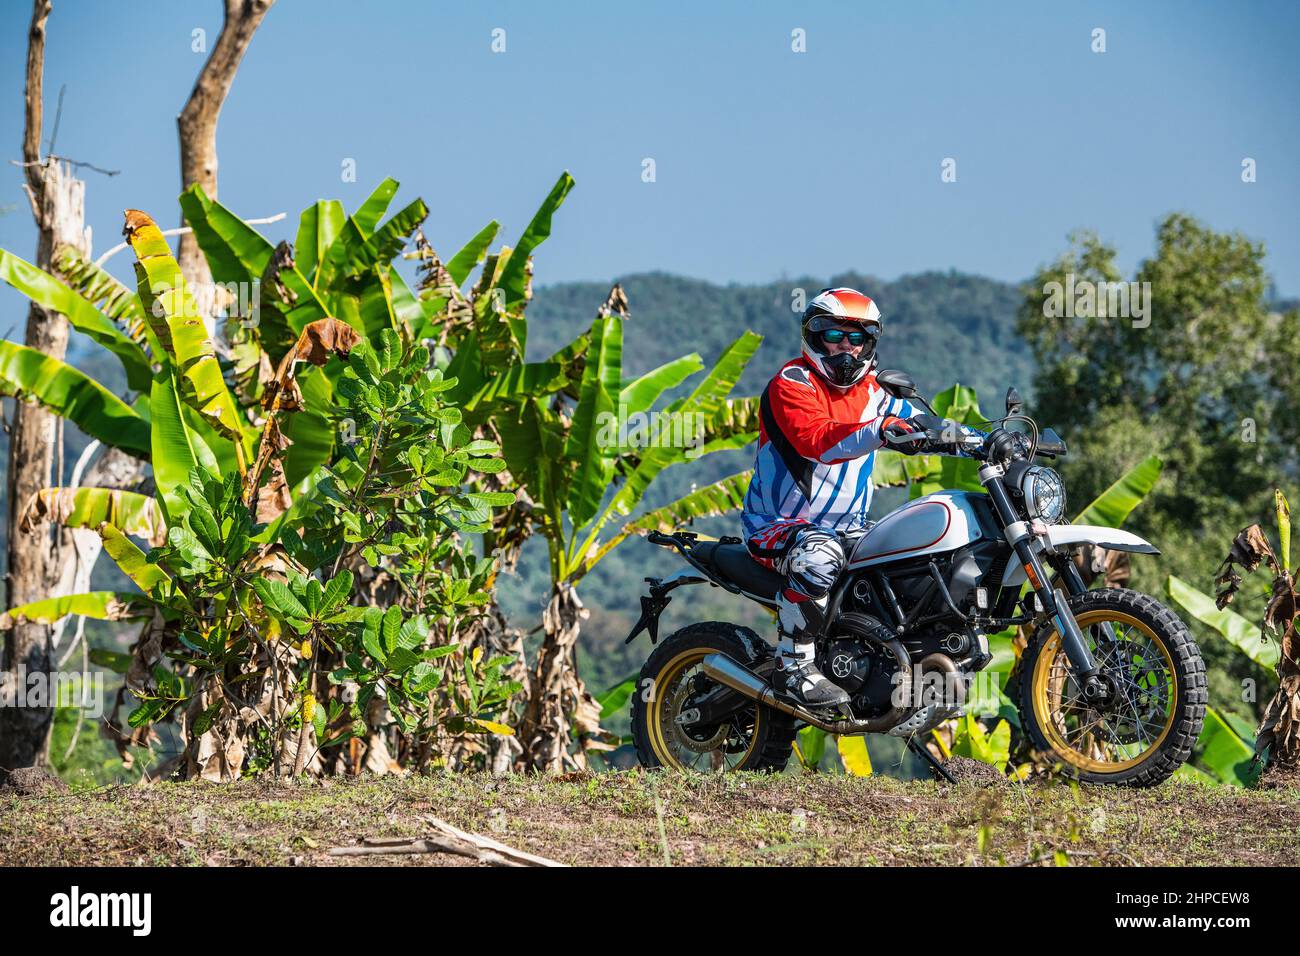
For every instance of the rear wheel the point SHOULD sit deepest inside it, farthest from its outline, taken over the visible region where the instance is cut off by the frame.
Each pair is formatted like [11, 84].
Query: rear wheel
[751, 738]
[1157, 677]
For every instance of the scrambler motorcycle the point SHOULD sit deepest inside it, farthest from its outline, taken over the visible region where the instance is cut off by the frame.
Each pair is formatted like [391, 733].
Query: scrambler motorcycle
[1111, 685]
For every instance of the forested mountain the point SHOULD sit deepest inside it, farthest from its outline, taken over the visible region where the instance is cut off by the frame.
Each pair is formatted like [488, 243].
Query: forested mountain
[940, 326]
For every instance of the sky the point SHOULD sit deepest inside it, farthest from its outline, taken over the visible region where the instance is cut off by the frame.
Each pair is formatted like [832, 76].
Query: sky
[768, 163]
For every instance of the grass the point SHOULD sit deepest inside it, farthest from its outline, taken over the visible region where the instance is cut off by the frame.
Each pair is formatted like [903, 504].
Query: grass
[614, 818]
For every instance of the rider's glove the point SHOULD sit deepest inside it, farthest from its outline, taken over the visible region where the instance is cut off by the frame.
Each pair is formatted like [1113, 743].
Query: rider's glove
[902, 435]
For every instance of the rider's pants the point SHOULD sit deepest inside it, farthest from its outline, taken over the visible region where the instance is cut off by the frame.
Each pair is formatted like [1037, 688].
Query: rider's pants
[810, 556]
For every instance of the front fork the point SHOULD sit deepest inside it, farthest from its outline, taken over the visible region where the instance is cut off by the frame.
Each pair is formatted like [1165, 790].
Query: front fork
[1083, 665]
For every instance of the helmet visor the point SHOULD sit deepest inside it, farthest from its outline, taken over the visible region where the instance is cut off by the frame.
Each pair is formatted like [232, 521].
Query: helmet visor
[825, 323]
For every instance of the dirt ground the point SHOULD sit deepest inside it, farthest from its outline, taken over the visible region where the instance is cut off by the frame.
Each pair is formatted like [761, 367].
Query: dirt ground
[635, 818]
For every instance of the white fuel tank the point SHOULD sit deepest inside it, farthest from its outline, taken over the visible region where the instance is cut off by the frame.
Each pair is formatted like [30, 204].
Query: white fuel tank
[933, 524]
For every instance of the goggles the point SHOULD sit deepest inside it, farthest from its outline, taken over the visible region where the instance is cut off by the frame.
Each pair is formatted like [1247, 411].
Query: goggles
[835, 336]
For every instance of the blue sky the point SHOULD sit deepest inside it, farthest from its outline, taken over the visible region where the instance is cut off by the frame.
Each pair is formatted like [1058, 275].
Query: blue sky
[768, 162]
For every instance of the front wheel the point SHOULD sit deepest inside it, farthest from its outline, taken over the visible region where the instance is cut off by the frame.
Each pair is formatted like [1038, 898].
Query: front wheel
[751, 738]
[1148, 727]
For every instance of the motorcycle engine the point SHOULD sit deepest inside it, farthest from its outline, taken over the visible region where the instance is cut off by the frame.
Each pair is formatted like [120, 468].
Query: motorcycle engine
[866, 673]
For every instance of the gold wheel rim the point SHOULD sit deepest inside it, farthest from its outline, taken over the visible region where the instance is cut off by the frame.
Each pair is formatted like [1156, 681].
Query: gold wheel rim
[664, 689]
[1084, 746]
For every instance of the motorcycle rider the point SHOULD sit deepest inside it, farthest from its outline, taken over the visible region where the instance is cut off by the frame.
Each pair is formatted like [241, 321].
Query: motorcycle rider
[822, 418]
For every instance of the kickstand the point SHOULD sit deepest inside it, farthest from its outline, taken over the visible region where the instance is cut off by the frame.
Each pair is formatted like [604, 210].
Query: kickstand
[935, 767]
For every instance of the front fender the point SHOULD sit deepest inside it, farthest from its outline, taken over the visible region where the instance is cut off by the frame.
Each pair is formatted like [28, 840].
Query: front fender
[1066, 537]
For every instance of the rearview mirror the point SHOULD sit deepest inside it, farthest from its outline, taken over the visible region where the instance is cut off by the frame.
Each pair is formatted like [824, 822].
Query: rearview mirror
[896, 383]
[1014, 402]
[1051, 444]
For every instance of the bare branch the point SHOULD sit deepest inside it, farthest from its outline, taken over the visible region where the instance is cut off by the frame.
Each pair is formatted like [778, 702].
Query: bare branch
[35, 92]
[185, 231]
[197, 122]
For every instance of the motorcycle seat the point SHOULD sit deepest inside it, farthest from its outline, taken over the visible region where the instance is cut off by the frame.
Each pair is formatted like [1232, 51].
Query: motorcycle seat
[734, 563]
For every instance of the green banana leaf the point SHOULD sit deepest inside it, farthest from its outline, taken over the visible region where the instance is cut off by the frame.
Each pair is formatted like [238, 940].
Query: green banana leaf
[531, 380]
[514, 279]
[176, 450]
[318, 227]
[499, 336]
[810, 747]
[721, 497]
[74, 396]
[616, 698]
[641, 394]
[707, 399]
[111, 297]
[1283, 510]
[364, 302]
[993, 748]
[1222, 753]
[162, 287]
[736, 416]
[1237, 630]
[100, 605]
[892, 469]
[597, 405]
[48, 292]
[463, 262]
[1115, 504]
[532, 444]
[372, 210]
[407, 306]
[352, 252]
[131, 560]
[235, 251]
[725, 443]
[132, 513]
[961, 404]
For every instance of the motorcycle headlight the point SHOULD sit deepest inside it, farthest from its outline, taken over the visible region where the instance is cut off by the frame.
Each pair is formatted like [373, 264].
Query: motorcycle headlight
[1044, 493]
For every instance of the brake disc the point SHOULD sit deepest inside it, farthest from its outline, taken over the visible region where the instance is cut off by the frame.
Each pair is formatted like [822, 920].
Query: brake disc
[683, 736]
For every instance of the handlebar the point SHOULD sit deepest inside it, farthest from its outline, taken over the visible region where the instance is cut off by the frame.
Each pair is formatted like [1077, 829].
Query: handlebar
[951, 438]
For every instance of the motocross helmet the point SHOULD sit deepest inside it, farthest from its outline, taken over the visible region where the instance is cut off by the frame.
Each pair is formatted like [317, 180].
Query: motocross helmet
[832, 308]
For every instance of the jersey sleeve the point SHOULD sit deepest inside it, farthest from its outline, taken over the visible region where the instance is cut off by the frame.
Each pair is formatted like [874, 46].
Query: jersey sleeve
[805, 422]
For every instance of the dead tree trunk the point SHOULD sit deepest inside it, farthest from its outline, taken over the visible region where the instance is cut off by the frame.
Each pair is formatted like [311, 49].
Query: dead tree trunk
[197, 125]
[36, 556]
[558, 704]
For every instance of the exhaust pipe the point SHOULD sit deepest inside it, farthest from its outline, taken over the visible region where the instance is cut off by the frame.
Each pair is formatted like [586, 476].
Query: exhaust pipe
[724, 670]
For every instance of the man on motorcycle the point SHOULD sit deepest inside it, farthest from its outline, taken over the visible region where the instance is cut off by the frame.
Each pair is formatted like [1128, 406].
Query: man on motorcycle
[823, 417]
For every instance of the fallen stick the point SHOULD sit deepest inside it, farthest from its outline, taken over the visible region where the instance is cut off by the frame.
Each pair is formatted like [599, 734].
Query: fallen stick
[450, 840]
[431, 845]
[487, 843]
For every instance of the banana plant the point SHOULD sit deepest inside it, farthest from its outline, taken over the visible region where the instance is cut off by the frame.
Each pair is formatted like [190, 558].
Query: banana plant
[1277, 733]
[185, 417]
[582, 472]
[184, 412]
[188, 417]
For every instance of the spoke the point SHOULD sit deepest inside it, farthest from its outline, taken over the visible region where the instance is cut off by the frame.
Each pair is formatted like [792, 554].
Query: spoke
[1142, 681]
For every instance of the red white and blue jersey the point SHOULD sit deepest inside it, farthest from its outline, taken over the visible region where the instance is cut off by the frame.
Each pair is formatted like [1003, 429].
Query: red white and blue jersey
[816, 449]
